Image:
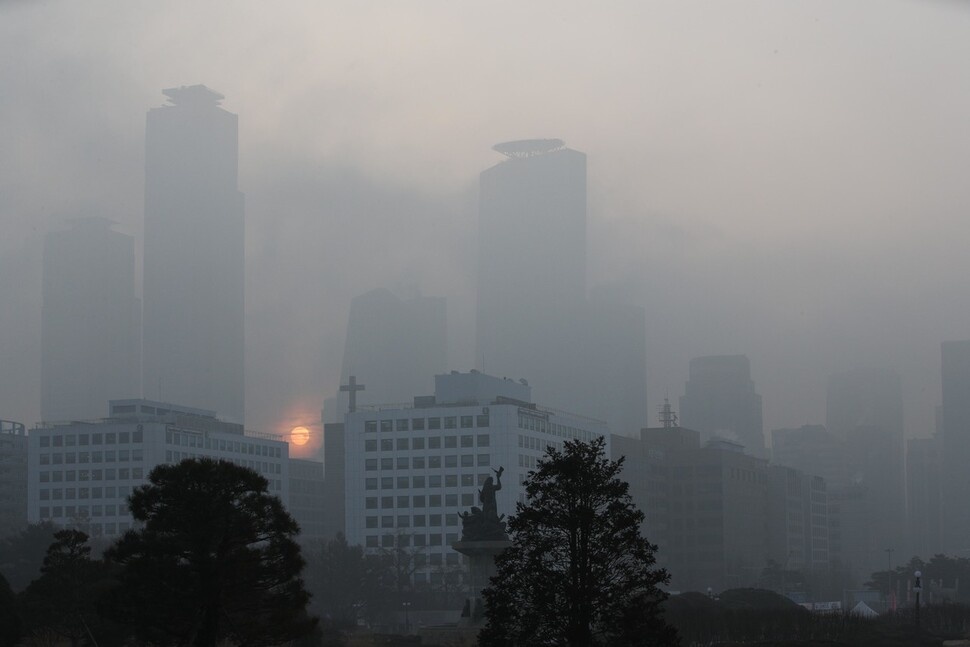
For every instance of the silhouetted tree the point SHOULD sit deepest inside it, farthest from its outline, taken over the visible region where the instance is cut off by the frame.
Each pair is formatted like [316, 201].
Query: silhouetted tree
[22, 554]
[62, 601]
[215, 560]
[10, 623]
[579, 572]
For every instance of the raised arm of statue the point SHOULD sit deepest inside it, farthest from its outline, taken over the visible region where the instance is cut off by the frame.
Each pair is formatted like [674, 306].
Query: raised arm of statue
[498, 478]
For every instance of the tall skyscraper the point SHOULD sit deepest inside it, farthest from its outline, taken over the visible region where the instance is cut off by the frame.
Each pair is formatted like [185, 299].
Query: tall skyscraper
[90, 350]
[956, 447]
[720, 401]
[194, 265]
[395, 346]
[864, 408]
[534, 320]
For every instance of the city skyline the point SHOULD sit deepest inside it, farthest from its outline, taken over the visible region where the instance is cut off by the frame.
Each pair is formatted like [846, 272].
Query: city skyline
[754, 197]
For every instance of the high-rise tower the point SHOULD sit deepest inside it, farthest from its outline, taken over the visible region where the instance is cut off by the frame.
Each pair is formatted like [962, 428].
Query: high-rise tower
[89, 324]
[720, 400]
[956, 446]
[194, 265]
[534, 320]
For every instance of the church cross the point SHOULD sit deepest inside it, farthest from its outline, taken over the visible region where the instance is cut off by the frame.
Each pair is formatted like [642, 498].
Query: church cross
[353, 388]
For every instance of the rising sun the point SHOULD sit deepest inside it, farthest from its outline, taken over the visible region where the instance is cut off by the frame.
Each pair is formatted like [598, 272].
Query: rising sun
[299, 435]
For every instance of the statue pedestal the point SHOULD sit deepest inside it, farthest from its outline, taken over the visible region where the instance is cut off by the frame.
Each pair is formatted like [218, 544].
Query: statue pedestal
[481, 558]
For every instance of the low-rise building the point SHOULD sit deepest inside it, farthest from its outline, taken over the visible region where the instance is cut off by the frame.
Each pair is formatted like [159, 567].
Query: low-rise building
[80, 473]
[13, 477]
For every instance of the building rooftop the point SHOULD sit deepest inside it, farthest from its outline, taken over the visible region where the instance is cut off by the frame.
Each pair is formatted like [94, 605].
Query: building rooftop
[193, 95]
[528, 147]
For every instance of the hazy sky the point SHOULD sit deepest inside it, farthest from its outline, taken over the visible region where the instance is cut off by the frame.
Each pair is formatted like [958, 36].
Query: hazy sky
[783, 179]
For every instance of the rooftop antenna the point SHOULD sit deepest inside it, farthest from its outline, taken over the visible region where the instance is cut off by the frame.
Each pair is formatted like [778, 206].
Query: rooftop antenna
[668, 417]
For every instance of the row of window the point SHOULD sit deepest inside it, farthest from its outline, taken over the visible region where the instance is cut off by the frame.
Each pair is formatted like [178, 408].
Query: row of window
[432, 462]
[109, 492]
[105, 438]
[405, 521]
[93, 529]
[109, 474]
[421, 482]
[405, 541]
[262, 467]
[82, 458]
[420, 424]
[420, 501]
[70, 494]
[433, 442]
[542, 425]
[197, 440]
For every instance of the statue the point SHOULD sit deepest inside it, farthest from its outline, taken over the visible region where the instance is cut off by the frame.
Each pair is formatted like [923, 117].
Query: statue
[485, 523]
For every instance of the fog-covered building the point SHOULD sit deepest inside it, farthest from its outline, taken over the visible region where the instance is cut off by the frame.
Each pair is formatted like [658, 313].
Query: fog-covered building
[80, 474]
[194, 245]
[306, 498]
[534, 320]
[90, 339]
[411, 470]
[394, 346]
[956, 446]
[13, 477]
[720, 401]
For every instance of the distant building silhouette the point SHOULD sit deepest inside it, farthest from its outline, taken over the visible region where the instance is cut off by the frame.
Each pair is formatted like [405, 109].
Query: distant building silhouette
[924, 495]
[90, 343]
[956, 447]
[194, 265]
[811, 449]
[394, 347]
[864, 409]
[720, 401]
[534, 320]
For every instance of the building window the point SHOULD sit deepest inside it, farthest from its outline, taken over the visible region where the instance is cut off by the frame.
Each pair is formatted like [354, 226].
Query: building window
[451, 480]
[402, 463]
[402, 501]
[370, 503]
[69, 440]
[417, 481]
[45, 441]
[467, 499]
[434, 501]
[434, 423]
[45, 459]
[483, 460]
[482, 420]
[467, 480]
[419, 522]
[370, 522]
[451, 460]
[403, 521]
[387, 502]
[402, 424]
[370, 464]
[417, 443]
[467, 440]
[451, 422]
[387, 541]
[371, 541]
[370, 445]
[466, 422]
[387, 482]
[370, 425]
[451, 501]
[434, 480]
[387, 445]
[417, 424]
[435, 541]
[58, 441]
[483, 440]
[387, 521]
[418, 463]
[402, 444]
[387, 463]
[402, 482]
[434, 442]
[387, 425]
[370, 484]
[434, 462]
[451, 442]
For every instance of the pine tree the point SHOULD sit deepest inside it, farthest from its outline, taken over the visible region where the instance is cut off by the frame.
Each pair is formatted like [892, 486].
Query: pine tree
[578, 573]
[215, 559]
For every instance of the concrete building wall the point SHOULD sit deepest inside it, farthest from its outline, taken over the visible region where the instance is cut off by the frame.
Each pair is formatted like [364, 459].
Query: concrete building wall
[13, 477]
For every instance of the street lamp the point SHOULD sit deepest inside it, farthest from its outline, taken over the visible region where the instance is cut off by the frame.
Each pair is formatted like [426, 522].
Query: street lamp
[917, 588]
[407, 618]
[710, 593]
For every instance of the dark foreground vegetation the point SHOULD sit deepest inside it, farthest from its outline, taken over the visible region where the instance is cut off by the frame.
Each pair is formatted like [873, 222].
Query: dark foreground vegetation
[758, 617]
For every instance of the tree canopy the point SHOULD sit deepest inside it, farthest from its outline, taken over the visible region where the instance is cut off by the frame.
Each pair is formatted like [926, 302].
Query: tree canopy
[214, 560]
[579, 572]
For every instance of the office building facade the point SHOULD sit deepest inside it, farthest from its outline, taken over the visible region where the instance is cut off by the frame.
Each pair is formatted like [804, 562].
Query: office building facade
[13, 477]
[411, 471]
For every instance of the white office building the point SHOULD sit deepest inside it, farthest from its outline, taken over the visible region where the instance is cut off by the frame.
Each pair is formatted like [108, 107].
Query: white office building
[80, 474]
[411, 470]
